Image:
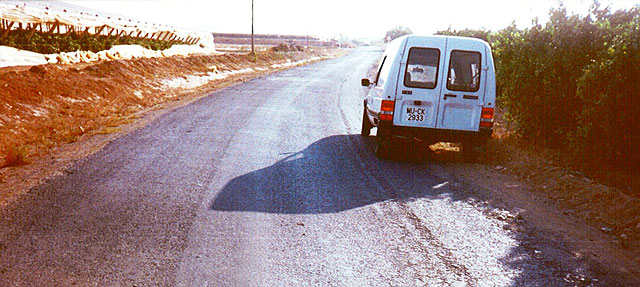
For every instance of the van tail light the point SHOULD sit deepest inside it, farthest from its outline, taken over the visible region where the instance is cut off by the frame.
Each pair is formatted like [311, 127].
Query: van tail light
[486, 118]
[386, 110]
[387, 106]
[487, 113]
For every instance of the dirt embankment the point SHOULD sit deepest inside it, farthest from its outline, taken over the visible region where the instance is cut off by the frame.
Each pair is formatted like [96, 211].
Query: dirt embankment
[44, 108]
[611, 210]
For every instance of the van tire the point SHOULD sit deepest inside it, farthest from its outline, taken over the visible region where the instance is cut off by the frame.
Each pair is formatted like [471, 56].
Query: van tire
[383, 143]
[383, 149]
[366, 124]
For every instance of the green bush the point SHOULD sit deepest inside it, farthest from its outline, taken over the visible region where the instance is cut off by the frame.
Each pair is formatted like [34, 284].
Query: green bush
[539, 68]
[396, 32]
[608, 127]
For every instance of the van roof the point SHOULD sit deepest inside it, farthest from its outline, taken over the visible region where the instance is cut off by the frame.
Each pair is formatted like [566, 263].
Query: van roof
[414, 36]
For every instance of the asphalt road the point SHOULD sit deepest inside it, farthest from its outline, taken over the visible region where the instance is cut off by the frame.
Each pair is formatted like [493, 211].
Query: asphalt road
[264, 183]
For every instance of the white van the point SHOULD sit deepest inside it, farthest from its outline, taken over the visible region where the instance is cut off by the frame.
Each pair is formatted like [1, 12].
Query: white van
[432, 88]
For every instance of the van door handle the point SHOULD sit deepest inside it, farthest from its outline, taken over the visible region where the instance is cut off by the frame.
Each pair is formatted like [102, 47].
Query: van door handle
[449, 96]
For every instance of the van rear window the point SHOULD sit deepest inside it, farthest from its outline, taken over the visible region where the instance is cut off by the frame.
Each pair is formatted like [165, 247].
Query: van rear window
[464, 71]
[422, 68]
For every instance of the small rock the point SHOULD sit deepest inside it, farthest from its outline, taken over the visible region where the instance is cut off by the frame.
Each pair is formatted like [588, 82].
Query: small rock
[606, 229]
[624, 240]
[40, 70]
[499, 167]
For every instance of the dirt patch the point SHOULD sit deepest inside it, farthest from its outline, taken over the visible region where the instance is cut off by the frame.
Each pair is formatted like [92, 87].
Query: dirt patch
[612, 211]
[51, 115]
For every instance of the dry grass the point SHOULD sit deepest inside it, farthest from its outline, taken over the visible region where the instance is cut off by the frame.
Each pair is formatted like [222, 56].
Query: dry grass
[118, 121]
[15, 156]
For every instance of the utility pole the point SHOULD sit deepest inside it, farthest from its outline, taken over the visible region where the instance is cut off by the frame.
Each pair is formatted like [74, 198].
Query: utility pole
[253, 51]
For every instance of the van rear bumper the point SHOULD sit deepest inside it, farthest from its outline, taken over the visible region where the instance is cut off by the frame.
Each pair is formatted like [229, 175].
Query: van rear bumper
[386, 129]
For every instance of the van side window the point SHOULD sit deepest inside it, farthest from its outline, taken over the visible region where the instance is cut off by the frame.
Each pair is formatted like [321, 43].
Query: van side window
[422, 68]
[464, 71]
[380, 69]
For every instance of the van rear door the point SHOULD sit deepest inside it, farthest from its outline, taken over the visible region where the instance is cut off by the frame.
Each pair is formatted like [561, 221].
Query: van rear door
[419, 84]
[463, 88]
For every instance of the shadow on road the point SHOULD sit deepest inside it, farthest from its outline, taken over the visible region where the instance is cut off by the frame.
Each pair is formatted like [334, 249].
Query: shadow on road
[331, 175]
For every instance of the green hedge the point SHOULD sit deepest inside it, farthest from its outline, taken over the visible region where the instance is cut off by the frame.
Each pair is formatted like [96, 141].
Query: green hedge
[55, 43]
[573, 83]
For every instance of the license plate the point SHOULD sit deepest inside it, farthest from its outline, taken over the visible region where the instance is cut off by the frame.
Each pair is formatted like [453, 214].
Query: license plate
[415, 114]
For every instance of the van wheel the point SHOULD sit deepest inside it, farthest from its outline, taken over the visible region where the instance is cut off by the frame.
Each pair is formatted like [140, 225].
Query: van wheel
[383, 149]
[366, 124]
[471, 152]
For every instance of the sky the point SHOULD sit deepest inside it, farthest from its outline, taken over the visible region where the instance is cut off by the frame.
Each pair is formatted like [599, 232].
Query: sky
[333, 18]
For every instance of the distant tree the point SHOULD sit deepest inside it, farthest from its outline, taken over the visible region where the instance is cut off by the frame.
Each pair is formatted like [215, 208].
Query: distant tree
[396, 32]
[480, 34]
